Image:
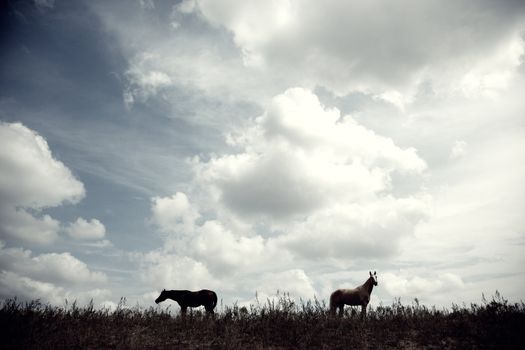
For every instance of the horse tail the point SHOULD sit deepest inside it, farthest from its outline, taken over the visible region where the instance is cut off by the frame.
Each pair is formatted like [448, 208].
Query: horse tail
[214, 300]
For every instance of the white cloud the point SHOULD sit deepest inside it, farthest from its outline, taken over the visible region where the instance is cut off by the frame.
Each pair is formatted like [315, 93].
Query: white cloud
[51, 277]
[221, 250]
[308, 185]
[30, 176]
[416, 286]
[458, 150]
[168, 271]
[30, 180]
[86, 230]
[376, 45]
[20, 224]
[24, 288]
[351, 232]
[173, 213]
[27, 289]
[305, 184]
[225, 253]
[56, 268]
[295, 282]
[143, 83]
[301, 157]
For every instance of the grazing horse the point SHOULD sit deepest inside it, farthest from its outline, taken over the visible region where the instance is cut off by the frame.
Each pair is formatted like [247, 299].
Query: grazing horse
[185, 298]
[356, 296]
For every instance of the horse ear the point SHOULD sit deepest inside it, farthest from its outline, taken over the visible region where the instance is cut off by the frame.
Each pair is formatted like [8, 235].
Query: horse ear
[164, 290]
[370, 272]
[375, 273]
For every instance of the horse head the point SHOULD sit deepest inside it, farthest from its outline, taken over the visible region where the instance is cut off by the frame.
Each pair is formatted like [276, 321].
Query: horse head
[373, 277]
[161, 297]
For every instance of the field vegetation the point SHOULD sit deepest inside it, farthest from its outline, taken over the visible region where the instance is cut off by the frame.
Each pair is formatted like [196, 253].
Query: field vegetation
[275, 324]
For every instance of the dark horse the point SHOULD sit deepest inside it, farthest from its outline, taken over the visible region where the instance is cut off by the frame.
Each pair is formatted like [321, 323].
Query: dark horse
[185, 298]
[357, 296]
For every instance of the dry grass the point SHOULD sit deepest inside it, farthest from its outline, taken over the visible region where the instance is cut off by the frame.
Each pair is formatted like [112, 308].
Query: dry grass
[281, 324]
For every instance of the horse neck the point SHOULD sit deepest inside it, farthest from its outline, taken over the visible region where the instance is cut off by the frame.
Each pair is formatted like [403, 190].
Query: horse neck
[369, 285]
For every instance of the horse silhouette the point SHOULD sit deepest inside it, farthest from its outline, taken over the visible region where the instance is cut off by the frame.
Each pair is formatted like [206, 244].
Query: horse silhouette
[186, 298]
[357, 296]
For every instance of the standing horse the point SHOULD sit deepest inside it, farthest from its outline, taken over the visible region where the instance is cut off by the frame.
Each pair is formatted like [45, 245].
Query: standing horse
[185, 298]
[356, 296]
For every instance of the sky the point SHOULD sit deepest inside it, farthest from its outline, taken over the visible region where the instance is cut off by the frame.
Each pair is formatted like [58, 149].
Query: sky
[262, 147]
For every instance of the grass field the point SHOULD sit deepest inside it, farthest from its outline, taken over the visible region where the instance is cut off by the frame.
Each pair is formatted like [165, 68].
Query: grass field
[281, 324]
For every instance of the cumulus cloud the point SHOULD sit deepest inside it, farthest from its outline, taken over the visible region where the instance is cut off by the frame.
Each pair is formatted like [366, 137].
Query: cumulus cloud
[31, 177]
[295, 282]
[86, 230]
[56, 268]
[173, 213]
[162, 270]
[31, 180]
[20, 224]
[27, 289]
[375, 45]
[301, 156]
[352, 232]
[416, 286]
[306, 183]
[52, 277]
[210, 242]
[12, 284]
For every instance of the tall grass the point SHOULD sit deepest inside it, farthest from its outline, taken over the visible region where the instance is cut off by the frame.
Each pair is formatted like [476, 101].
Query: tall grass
[274, 324]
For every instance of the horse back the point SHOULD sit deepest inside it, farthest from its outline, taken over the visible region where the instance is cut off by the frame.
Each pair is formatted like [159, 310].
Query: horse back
[202, 297]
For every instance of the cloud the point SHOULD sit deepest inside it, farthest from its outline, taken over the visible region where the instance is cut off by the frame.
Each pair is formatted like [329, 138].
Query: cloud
[31, 177]
[47, 4]
[294, 281]
[50, 277]
[173, 213]
[300, 157]
[416, 286]
[143, 83]
[20, 224]
[224, 252]
[351, 232]
[27, 289]
[210, 242]
[373, 46]
[24, 288]
[304, 183]
[309, 185]
[56, 268]
[31, 180]
[458, 150]
[86, 230]
[147, 4]
[162, 270]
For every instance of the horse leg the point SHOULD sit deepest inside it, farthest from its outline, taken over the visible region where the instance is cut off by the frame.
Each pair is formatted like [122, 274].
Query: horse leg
[363, 310]
[183, 310]
[209, 309]
[333, 308]
[341, 310]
